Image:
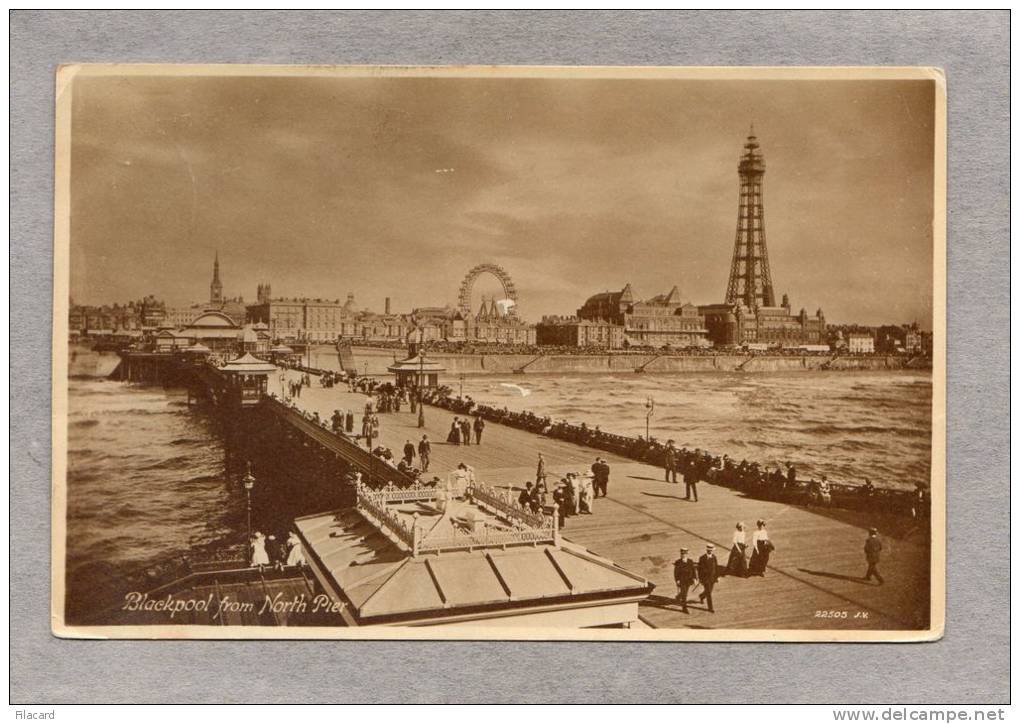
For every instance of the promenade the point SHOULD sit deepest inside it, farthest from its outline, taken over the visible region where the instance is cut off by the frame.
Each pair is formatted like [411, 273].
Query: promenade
[813, 577]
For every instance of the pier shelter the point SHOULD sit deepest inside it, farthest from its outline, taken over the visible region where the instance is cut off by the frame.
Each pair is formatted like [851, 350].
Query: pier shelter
[247, 378]
[282, 353]
[196, 353]
[417, 371]
[214, 329]
[423, 556]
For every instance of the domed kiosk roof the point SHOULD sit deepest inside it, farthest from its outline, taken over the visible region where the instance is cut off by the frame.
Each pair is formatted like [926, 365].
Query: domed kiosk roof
[248, 364]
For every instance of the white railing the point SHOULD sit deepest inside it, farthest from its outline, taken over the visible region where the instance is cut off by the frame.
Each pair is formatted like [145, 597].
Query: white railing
[412, 493]
[374, 507]
[506, 506]
[526, 528]
[487, 537]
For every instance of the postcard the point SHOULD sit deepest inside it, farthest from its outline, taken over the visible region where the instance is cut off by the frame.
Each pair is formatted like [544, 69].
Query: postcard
[499, 353]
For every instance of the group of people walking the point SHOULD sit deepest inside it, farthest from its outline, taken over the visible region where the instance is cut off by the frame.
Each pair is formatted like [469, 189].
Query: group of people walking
[574, 494]
[708, 570]
[461, 429]
[391, 399]
[343, 421]
[268, 551]
[294, 387]
[692, 467]
[369, 425]
[329, 379]
[424, 451]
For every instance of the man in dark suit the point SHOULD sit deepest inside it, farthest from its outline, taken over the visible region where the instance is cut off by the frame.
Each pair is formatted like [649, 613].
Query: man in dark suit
[691, 480]
[600, 469]
[669, 462]
[708, 572]
[524, 499]
[479, 428]
[872, 552]
[409, 453]
[685, 573]
[425, 452]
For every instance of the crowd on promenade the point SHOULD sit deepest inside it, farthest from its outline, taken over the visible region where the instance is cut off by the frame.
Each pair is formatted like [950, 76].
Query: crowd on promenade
[693, 466]
[576, 492]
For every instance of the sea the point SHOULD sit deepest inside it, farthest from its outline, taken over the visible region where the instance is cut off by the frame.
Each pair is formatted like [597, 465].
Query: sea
[149, 478]
[146, 479]
[846, 425]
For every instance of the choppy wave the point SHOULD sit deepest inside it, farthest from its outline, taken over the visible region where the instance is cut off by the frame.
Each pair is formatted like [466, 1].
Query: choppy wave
[846, 425]
[145, 481]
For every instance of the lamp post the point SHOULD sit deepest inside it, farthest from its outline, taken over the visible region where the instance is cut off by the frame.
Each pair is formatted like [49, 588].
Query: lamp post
[248, 481]
[650, 405]
[421, 376]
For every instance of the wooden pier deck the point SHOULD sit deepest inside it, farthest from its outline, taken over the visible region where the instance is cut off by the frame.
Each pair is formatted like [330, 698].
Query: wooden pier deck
[813, 581]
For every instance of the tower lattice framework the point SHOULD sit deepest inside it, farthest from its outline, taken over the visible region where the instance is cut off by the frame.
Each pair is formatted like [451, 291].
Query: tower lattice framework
[750, 277]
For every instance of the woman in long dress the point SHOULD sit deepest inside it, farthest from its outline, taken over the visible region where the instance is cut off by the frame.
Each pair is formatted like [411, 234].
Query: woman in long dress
[296, 554]
[737, 564]
[761, 549]
[587, 494]
[259, 556]
[454, 436]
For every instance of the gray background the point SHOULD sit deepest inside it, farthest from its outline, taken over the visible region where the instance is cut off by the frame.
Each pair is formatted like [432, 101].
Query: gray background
[971, 664]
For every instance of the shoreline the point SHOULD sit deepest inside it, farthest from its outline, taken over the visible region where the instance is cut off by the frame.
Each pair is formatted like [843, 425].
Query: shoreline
[367, 360]
[374, 361]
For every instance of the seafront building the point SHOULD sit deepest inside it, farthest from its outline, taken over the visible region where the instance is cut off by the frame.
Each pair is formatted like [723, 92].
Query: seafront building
[860, 343]
[147, 313]
[556, 331]
[492, 324]
[664, 320]
[303, 318]
[732, 325]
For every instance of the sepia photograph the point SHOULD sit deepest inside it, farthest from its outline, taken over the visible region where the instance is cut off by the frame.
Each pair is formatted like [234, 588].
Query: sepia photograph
[499, 353]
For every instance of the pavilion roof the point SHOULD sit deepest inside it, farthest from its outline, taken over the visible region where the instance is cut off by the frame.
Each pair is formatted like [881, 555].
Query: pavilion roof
[248, 363]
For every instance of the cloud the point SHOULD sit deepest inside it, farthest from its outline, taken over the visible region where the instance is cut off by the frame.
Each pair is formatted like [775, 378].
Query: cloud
[397, 186]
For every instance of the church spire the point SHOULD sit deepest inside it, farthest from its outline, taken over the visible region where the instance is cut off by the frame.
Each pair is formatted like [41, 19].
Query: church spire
[216, 287]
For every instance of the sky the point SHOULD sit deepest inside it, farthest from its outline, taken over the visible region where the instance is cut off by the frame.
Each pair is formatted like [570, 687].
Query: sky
[396, 187]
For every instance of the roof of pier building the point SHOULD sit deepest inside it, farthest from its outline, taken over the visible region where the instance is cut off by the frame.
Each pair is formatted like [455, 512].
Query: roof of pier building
[423, 556]
[248, 364]
[213, 319]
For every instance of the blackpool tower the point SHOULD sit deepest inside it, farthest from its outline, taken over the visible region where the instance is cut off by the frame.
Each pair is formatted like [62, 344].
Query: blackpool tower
[750, 278]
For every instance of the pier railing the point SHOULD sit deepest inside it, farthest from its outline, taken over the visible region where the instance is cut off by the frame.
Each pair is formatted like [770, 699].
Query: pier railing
[895, 501]
[506, 507]
[373, 505]
[487, 537]
[522, 526]
[411, 494]
[347, 448]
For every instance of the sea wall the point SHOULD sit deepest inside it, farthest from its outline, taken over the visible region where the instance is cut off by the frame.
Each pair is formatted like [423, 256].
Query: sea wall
[374, 361]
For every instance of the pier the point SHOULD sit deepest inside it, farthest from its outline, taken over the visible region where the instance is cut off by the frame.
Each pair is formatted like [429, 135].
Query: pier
[813, 580]
[813, 577]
